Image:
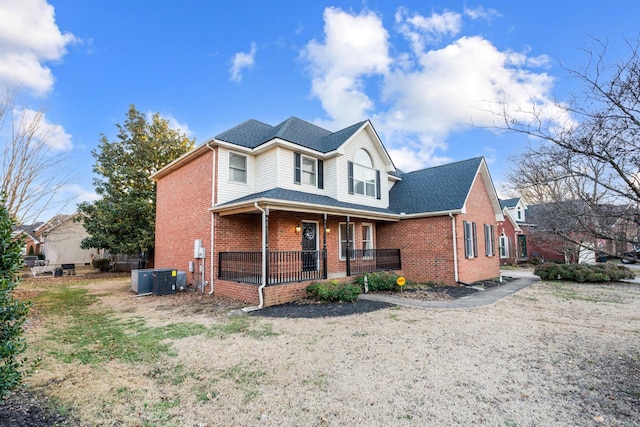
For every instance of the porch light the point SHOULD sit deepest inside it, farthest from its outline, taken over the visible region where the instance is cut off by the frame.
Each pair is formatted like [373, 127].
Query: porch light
[328, 230]
[298, 229]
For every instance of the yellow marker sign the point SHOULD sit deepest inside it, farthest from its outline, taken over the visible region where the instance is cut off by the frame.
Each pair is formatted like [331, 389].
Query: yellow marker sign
[401, 281]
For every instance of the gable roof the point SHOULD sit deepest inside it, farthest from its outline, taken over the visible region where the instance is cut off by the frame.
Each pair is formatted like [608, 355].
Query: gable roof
[252, 134]
[509, 203]
[437, 189]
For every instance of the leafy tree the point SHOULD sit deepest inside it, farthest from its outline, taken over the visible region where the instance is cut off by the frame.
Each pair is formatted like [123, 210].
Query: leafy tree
[13, 313]
[587, 170]
[123, 220]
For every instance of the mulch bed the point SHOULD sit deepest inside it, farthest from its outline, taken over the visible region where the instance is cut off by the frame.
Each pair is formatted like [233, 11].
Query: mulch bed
[309, 309]
[22, 408]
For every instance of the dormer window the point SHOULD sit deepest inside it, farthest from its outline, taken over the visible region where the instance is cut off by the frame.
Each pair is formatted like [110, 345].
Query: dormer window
[519, 213]
[363, 179]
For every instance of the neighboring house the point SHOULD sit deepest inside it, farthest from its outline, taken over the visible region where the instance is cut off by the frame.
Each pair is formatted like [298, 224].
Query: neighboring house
[60, 239]
[261, 211]
[512, 241]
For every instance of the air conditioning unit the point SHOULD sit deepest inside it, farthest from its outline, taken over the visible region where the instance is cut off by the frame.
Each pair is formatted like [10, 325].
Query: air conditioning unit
[142, 281]
[164, 281]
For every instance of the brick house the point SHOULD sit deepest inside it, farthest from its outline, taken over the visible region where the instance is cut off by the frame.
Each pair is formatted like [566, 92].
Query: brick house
[259, 212]
[512, 240]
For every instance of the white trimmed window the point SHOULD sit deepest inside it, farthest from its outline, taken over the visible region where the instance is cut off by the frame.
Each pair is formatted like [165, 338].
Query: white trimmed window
[308, 171]
[237, 168]
[364, 176]
[488, 240]
[504, 246]
[470, 240]
[343, 239]
[367, 240]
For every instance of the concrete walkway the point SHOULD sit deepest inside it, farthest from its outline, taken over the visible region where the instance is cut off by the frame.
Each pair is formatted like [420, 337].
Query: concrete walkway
[490, 296]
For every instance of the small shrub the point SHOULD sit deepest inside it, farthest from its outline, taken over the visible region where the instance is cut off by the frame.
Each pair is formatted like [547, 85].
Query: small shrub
[379, 281]
[333, 291]
[583, 273]
[102, 264]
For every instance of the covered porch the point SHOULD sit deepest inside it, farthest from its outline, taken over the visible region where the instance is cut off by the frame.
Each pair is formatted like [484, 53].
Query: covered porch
[279, 244]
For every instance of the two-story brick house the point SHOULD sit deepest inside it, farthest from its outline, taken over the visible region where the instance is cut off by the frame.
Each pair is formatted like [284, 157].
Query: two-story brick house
[276, 207]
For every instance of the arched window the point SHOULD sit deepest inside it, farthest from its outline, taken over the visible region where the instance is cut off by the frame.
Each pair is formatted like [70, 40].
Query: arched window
[364, 176]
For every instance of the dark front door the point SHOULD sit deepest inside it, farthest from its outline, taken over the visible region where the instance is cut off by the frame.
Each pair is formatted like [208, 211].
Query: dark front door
[522, 246]
[309, 246]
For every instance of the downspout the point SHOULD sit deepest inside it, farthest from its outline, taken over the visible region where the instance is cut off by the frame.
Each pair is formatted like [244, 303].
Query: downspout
[214, 174]
[264, 261]
[455, 248]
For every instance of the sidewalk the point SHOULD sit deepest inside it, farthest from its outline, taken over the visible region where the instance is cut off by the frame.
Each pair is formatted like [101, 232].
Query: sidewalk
[479, 299]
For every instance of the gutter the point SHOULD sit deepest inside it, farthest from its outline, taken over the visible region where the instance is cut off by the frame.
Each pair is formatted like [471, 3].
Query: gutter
[264, 262]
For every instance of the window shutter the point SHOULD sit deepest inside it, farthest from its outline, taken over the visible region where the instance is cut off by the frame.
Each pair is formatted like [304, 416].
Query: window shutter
[297, 168]
[474, 235]
[378, 189]
[350, 170]
[320, 174]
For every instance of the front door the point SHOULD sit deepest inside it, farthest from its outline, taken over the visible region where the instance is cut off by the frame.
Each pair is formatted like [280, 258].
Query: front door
[522, 246]
[309, 246]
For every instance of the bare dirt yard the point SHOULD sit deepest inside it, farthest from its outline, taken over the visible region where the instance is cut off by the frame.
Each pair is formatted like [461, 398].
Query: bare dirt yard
[553, 354]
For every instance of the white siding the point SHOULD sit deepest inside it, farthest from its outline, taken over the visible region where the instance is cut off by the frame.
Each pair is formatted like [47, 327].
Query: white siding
[266, 168]
[62, 244]
[361, 140]
[229, 190]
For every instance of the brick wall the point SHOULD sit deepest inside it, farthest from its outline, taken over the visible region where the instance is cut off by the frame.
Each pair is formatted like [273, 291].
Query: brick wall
[182, 216]
[425, 247]
[479, 211]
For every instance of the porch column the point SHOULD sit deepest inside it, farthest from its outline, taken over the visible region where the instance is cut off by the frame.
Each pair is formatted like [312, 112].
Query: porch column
[348, 247]
[266, 244]
[324, 244]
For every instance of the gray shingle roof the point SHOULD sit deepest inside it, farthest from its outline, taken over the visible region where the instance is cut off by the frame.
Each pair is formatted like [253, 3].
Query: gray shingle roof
[299, 196]
[436, 189]
[253, 133]
[509, 203]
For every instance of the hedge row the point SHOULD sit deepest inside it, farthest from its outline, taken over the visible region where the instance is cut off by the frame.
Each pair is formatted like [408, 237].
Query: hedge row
[583, 273]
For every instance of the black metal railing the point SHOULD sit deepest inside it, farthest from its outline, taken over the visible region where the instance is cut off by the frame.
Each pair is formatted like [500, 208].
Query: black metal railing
[240, 266]
[296, 266]
[299, 266]
[282, 266]
[370, 260]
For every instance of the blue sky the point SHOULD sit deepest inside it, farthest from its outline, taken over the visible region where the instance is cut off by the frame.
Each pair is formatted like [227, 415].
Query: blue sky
[428, 74]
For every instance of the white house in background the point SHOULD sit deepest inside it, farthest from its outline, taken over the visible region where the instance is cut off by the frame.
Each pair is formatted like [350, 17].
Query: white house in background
[60, 239]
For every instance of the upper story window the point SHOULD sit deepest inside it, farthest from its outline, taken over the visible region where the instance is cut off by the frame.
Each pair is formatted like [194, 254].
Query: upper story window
[308, 171]
[363, 179]
[237, 168]
[519, 214]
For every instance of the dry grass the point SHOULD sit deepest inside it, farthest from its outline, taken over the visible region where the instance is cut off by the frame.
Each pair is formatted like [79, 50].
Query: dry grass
[548, 355]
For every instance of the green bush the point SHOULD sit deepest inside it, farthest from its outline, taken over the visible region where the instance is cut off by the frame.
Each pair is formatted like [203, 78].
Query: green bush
[13, 313]
[102, 264]
[379, 282]
[333, 291]
[583, 273]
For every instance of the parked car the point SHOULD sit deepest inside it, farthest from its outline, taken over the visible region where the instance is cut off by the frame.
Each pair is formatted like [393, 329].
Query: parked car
[631, 257]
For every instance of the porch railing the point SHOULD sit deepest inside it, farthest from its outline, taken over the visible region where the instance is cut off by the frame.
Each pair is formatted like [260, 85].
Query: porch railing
[282, 266]
[299, 266]
[370, 260]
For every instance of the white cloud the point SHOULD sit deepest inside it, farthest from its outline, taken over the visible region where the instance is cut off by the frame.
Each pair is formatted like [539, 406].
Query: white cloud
[52, 135]
[29, 37]
[429, 93]
[242, 61]
[479, 12]
[355, 46]
[421, 31]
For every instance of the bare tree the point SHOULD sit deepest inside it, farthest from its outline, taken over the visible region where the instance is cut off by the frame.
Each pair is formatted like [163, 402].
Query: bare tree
[32, 171]
[587, 170]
